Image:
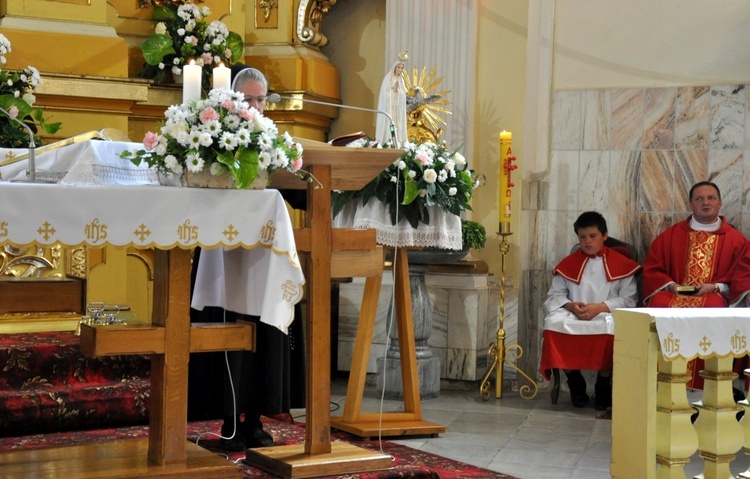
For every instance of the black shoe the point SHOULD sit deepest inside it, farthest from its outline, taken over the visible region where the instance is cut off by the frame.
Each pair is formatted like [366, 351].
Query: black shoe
[233, 445]
[257, 437]
[577, 386]
[603, 393]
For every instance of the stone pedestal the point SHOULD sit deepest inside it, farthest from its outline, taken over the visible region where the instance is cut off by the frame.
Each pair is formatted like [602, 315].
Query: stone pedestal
[465, 311]
[428, 366]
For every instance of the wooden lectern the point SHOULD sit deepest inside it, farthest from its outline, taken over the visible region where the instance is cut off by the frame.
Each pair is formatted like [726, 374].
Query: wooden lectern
[334, 253]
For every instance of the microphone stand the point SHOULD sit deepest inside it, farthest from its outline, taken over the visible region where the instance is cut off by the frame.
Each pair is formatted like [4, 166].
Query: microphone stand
[32, 147]
[275, 97]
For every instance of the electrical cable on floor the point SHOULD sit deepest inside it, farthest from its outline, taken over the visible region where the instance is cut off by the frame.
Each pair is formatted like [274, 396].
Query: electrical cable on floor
[391, 317]
[234, 401]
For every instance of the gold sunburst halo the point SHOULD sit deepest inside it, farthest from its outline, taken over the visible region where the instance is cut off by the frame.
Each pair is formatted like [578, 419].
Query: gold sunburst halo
[426, 119]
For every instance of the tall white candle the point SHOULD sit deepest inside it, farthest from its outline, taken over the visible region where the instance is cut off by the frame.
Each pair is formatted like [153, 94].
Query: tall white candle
[221, 77]
[191, 82]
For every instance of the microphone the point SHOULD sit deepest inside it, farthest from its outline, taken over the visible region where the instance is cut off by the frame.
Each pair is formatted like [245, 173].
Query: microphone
[275, 98]
[32, 146]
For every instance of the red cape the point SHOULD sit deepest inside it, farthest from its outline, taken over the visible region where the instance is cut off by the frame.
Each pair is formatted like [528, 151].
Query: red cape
[616, 266]
[668, 255]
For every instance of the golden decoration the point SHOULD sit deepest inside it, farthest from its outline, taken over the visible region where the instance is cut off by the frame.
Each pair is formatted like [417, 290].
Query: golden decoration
[425, 107]
[267, 6]
[309, 18]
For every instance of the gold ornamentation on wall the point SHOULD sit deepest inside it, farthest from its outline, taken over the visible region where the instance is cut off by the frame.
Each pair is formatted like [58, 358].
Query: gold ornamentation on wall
[267, 7]
[309, 18]
[31, 262]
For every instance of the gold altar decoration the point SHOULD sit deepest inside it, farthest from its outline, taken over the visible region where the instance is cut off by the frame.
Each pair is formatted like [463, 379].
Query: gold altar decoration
[309, 19]
[497, 351]
[424, 106]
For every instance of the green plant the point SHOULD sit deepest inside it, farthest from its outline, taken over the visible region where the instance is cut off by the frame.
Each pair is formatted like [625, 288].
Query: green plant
[473, 234]
[182, 34]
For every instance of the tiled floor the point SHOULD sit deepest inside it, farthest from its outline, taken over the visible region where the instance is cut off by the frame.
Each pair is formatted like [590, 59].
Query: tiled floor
[525, 438]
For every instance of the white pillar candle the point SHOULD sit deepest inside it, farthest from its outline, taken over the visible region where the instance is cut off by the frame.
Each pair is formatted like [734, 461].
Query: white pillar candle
[221, 78]
[191, 82]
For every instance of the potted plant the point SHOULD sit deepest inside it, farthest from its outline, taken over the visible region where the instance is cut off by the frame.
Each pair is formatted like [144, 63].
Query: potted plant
[181, 34]
[474, 234]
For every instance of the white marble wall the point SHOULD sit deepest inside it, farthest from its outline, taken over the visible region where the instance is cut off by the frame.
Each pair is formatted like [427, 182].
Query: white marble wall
[466, 309]
[631, 154]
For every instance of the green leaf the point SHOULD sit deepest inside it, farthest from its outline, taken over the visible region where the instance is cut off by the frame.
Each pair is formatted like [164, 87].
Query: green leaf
[49, 128]
[164, 14]
[156, 47]
[24, 109]
[411, 191]
[237, 46]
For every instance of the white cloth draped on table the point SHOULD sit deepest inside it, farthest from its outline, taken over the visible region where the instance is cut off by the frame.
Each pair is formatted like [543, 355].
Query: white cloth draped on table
[701, 332]
[91, 162]
[262, 276]
[444, 230]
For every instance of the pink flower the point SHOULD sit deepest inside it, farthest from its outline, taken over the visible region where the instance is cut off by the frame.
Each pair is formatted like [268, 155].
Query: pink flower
[207, 58]
[296, 165]
[423, 159]
[13, 112]
[209, 114]
[150, 141]
[247, 115]
[228, 105]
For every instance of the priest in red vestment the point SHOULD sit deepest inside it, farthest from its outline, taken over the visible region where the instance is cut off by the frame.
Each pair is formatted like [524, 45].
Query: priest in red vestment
[701, 262]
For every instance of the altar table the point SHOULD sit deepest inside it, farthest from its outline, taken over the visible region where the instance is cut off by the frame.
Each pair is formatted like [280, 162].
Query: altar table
[173, 221]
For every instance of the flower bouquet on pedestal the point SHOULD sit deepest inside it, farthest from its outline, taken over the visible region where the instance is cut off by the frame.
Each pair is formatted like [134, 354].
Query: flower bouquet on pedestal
[219, 135]
[182, 34]
[426, 174]
[17, 98]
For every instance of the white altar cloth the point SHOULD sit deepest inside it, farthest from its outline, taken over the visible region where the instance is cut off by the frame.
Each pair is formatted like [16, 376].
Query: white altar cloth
[444, 230]
[252, 226]
[90, 162]
[688, 333]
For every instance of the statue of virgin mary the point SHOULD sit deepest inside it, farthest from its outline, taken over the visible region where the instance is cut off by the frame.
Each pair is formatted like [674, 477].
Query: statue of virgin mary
[392, 99]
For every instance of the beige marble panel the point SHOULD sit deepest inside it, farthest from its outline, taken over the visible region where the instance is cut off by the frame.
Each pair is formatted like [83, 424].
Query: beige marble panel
[627, 118]
[596, 120]
[746, 182]
[727, 116]
[726, 168]
[659, 118]
[745, 228]
[560, 184]
[594, 181]
[566, 120]
[657, 180]
[653, 224]
[693, 124]
[439, 297]
[690, 166]
[623, 194]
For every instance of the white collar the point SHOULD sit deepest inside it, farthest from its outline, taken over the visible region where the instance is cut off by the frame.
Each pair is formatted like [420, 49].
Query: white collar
[705, 227]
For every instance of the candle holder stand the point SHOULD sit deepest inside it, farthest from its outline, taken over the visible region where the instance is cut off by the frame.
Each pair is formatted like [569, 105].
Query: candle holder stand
[497, 351]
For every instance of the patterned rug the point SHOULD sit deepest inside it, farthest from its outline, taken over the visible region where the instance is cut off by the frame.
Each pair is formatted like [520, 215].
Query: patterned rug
[408, 462]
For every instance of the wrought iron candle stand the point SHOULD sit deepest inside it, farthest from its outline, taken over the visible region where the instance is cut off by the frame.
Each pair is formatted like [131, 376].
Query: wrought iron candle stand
[497, 352]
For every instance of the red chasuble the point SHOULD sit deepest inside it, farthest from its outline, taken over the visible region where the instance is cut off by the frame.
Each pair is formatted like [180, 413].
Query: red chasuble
[690, 257]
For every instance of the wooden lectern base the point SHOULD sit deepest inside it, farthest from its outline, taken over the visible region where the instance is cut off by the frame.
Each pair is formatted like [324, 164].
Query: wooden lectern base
[126, 458]
[396, 427]
[291, 461]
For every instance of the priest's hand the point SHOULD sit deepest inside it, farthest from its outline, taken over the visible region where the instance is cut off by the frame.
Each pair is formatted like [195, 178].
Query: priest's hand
[707, 288]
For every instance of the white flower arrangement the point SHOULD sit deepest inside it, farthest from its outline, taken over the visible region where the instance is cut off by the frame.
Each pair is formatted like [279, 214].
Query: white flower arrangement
[426, 174]
[221, 134]
[17, 98]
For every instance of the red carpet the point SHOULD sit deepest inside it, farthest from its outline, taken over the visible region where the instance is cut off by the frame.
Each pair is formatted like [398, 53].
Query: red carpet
[408, 463]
